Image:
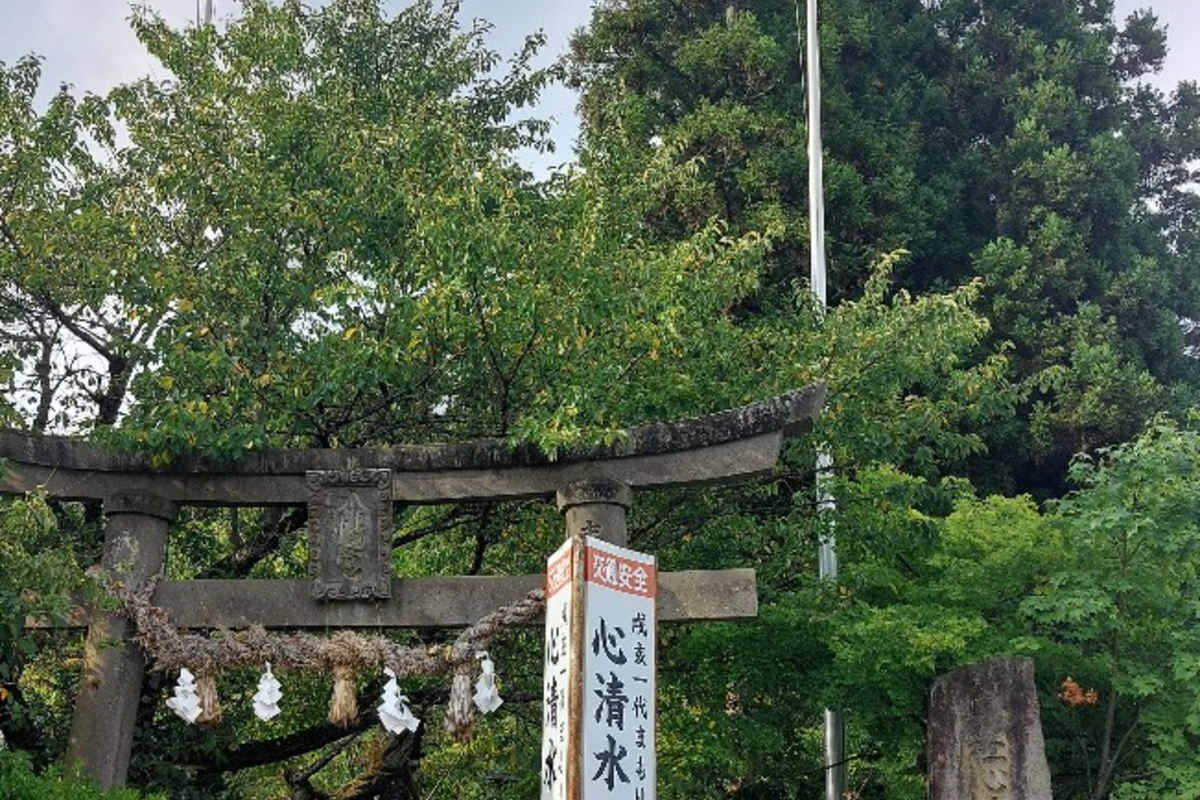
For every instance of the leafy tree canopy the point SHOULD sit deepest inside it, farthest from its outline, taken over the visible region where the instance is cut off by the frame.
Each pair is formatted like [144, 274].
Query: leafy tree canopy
[1009, 141]
[315, 233]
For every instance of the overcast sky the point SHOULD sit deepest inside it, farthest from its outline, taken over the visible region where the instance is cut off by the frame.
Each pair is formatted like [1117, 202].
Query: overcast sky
[88, 44]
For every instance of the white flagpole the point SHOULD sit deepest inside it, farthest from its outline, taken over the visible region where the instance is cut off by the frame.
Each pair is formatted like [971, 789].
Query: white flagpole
[816, 178]
[835, 730]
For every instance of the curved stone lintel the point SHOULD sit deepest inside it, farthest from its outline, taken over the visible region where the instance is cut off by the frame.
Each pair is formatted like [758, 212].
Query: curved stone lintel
[602, 491]
[727, 445]
[141, 503]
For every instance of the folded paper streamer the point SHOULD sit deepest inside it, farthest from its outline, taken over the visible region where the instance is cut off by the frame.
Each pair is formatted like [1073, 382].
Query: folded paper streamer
[393, 709]
[266, 700]
[487, 698]
[186, 702]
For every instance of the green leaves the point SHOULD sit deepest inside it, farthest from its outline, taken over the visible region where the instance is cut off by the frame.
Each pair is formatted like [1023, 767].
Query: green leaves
[317, 234]
[22, 782]
[40, 579]
[1005, 143]
[354, 258]
[1125, 594]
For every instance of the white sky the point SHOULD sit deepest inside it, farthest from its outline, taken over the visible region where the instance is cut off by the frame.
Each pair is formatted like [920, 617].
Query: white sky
[88, 43]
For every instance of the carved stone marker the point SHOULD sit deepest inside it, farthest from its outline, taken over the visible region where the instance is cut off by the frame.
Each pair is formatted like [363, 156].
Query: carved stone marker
[350, 534]
[985, 734]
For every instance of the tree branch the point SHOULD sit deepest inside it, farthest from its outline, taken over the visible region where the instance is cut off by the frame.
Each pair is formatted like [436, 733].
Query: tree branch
[256, 754]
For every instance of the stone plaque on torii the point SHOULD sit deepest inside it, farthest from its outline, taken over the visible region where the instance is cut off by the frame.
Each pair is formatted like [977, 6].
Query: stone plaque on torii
[350, 494]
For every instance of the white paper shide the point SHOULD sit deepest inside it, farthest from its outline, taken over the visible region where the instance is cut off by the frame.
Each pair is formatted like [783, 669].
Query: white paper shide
[186, 701]
[266, 699]
[487, 696]
[394, 713]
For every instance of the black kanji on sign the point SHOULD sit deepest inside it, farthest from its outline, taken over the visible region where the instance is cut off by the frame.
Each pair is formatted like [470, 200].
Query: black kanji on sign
[640, 709]
[610, 764]
[612, 701]
[552, 700]
[609, 643]
[555, 645]
[550, 774]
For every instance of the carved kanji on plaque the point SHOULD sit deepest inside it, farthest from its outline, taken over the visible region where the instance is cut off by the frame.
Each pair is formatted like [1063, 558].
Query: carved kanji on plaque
[350, 534]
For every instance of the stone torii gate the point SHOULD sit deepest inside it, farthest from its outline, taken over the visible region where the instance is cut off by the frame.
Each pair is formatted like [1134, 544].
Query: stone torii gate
[350, 494]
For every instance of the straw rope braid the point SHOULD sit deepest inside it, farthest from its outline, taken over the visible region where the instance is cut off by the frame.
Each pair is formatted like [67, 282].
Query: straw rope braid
[170, 649]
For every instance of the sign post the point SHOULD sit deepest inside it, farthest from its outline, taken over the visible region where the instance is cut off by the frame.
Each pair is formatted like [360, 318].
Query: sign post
[557, 674]
[599, 682]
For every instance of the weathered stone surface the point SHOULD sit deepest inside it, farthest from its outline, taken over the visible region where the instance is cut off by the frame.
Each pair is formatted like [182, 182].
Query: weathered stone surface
[594, 492]
[728, 445]
[350, 534]
[687, 596]
[593, 487]
[785, 414]
[985, 734]
[106, 709]
[596, 508]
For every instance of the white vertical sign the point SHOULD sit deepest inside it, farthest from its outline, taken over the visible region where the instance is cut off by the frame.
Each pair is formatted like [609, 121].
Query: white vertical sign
[599, 745]
[618, 673]
[556, 673]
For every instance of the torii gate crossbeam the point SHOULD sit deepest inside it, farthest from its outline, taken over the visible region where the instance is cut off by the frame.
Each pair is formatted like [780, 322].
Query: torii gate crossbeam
[592, 487]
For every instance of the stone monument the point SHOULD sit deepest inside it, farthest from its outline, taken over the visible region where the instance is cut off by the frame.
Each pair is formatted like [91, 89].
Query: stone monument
[985, 734]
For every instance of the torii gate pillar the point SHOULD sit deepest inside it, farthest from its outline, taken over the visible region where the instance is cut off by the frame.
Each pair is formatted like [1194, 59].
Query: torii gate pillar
[135, 548]
[596, 508]
[592, 485]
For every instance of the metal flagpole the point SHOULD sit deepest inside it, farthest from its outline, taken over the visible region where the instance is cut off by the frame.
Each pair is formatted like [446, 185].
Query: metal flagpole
[816, 178]
[835, 730]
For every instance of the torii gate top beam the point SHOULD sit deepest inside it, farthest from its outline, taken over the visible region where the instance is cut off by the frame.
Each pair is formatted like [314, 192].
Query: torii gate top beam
[729, 445]
[592, 485]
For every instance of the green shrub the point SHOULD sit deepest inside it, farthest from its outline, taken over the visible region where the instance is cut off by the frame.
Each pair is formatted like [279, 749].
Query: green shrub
[19, 781]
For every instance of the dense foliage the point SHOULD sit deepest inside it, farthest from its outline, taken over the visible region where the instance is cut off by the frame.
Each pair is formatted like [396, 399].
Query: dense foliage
[1008, 141]
[316, 233]
[22, 782]
[41, 553]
